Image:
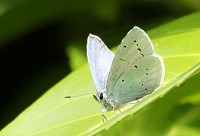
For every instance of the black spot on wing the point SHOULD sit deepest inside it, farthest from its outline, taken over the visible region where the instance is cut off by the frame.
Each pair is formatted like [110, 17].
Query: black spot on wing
[135, 66]
[139, 49]
[142, 55]
[122, 59]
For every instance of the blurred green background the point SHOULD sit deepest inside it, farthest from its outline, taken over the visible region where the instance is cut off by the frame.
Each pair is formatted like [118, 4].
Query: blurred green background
[38, 39]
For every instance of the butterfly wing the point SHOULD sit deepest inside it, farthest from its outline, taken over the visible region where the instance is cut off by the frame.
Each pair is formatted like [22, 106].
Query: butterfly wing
[137, 81]
[100, 59]
[134, 59]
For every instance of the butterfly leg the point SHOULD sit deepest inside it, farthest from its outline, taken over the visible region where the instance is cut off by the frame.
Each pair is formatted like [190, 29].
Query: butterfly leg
[104, 117]
[134, 102]
[115, 111]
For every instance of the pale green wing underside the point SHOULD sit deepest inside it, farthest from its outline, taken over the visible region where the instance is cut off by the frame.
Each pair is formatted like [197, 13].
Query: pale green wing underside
[139, 80]
[127, 81]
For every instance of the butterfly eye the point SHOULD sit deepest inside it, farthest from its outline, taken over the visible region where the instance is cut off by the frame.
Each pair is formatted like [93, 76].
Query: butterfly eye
[101, 96]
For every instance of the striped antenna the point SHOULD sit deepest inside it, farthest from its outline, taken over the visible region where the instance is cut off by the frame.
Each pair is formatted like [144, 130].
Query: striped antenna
[78, 95]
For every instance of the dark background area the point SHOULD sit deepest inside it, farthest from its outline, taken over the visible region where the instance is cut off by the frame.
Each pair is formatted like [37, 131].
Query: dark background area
[34, 36]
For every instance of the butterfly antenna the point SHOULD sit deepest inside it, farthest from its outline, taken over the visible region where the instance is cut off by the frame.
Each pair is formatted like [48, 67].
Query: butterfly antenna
[78, 95]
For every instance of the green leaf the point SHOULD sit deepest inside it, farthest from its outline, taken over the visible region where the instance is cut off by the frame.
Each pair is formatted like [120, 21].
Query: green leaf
[181, 25]
[76, 55]
[53, 115]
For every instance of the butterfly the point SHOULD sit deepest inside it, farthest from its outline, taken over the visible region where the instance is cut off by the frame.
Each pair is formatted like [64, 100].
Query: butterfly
[132, 73]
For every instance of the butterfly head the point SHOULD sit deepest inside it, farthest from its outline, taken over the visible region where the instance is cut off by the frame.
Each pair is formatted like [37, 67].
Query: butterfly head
[101, 98]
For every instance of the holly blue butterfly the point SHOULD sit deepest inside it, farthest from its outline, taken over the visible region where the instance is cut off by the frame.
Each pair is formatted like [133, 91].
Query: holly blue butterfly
[132, 73]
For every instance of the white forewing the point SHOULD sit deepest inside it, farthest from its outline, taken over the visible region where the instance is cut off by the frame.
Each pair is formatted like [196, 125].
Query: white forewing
[100, 60]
